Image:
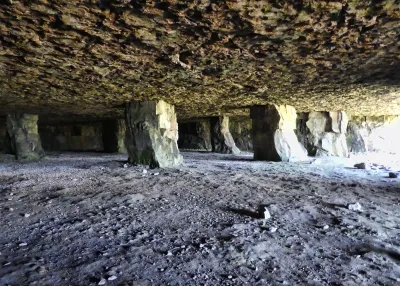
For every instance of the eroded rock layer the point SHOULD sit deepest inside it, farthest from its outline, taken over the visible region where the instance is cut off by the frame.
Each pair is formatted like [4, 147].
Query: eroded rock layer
[205, 57]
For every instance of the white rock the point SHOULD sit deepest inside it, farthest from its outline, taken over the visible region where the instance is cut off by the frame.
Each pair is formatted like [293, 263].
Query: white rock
[111, 278]
[273, 229]
[326, 227]
[27, 215]
[23, 244]
[267, 215]
[355, 207]
[125, 165]
[102, 281]
[144, 171]
[156, 174]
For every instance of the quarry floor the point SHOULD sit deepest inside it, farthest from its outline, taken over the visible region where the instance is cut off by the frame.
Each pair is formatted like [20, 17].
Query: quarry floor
[90, 219]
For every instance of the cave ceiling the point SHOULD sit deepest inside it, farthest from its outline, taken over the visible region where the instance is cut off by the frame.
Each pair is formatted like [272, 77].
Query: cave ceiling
[206, 57]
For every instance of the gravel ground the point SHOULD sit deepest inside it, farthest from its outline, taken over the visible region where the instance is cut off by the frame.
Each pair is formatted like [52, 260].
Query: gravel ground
[91, 219]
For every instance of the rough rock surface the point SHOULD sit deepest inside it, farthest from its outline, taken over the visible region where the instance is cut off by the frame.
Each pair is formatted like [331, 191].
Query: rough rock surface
[205, 57]
[22, 130]
[3, 133]
[221, 137]
[327, 134]
[240, 128]
[91, 219]
[379, 134]
[195, 135]
[152, 134]
[273, 134]
[77, 136]
[113, 135]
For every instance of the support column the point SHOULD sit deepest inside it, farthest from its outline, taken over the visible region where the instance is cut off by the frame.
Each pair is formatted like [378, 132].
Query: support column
[221, 138]
[113, 135]
[327, 133]
[195, 135]
[152, 134]
[25, 143]
[273, 133]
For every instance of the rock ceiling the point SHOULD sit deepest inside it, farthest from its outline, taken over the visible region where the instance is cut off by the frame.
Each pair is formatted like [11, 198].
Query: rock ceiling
[206, 57]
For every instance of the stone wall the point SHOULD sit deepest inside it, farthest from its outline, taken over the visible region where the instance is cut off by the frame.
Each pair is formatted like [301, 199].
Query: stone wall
[374, 134]
[72, 137]
[3, 129]
[240, 128]
[195, 135]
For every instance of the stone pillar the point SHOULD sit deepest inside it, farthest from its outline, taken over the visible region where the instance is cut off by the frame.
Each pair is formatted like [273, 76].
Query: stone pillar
[22, 130]
[273, 133]
[221, 138]
[151, 134]
[327, 133]
[113, 135]
[195, 135]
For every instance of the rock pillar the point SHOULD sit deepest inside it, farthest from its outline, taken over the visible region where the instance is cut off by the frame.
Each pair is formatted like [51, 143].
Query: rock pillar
[327, 133]
[221, 138]
[151, 134]
[273, 133]
[113, 135]
[22, 130]
[195, 135]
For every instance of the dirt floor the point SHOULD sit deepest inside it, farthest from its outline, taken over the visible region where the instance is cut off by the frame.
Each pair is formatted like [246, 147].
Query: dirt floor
[91, 219]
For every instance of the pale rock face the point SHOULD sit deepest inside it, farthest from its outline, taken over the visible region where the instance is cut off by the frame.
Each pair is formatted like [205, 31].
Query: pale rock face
[327, 133]
[24, 137]
[288, 147]
[152, 134]
[317, 122]
[221, 138]
[273, 134]
[339, 121]
[333, 145]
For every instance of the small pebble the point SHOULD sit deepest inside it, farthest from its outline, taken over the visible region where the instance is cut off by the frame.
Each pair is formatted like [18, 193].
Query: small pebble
[111, 278]
[27, 215]
[23, 244]
[273, 229]
[326, 227]
[144, 171]
[102, 281]
[393, 175]
[355, 207]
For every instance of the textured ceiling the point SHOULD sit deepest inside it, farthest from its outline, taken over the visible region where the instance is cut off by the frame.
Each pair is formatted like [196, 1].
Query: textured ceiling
[206, 57]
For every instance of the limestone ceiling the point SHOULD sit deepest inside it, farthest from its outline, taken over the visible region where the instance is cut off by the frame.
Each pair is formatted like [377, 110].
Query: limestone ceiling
[206, 57]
